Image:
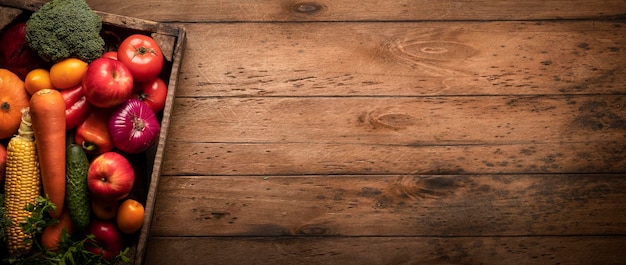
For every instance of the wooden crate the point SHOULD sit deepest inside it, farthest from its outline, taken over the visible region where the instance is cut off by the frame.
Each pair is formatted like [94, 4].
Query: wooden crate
[171, 40]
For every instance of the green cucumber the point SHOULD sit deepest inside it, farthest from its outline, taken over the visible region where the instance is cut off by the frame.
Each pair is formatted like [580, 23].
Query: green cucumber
[76, 188]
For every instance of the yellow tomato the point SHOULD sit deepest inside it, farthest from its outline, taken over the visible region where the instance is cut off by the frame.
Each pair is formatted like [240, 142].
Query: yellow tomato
[67, 73]
[130, 216]
[37, 79]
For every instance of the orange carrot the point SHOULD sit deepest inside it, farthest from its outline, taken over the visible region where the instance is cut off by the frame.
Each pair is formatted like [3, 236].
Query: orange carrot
[47, 110]
[51, 235]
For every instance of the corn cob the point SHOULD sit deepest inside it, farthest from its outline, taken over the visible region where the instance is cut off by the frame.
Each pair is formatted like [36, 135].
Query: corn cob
[21, 186]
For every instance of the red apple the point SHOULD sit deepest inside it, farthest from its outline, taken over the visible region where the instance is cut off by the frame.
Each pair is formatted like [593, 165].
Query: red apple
[104, 209]
[110, 176]
[107, 83]
[108, 239]
[3, 161]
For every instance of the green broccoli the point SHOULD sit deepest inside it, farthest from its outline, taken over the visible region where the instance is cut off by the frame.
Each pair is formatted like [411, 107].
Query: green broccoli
[63, 29]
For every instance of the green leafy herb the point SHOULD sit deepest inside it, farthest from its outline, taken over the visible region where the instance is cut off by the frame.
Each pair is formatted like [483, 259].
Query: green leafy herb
[39, 219]
[4, 221]
[71, 250]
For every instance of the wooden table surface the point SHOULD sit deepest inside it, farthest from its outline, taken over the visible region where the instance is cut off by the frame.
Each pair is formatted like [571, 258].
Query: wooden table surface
[393, 132]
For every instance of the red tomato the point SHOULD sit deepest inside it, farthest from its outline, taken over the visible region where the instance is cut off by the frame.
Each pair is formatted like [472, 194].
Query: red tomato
[142, 55]
[152, 93]
[110, 54]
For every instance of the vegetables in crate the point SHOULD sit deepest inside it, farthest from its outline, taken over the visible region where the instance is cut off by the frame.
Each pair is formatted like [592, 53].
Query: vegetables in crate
[47, 110]
[58, 243]
[13, 97]
[133, 127]
[76, 106]
[108, 239]
[104, 209]
[110, 177]
[37, 79]
[107, 83]
[153, 93]
[15, 54]
[76, 189]
[130, 214]
[142, 55]
[93, 133]
[22, 185]
[69, 104]
[67, 73]
[62, 29]
[51, 236]
[3, 162]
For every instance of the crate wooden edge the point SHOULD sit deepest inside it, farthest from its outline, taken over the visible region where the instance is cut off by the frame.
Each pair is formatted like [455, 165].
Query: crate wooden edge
[158, 158]
[125, 21]
[178, 35]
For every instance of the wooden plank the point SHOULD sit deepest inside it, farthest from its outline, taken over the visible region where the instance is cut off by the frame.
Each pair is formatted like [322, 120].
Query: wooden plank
[467, 120]
[311, 158]
[388, 250]
[353, 10]
[338, 135]
[409, 59]
[394, 205]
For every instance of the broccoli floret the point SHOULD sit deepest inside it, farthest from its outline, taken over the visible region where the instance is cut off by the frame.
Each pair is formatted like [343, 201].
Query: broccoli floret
[63, 29]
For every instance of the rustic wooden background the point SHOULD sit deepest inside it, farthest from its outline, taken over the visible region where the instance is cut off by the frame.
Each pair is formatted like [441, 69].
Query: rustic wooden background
[393, 132]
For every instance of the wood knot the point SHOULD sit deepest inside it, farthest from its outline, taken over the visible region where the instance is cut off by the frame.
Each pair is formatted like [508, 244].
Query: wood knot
[437, 50]
[314, 230]
[393, 121]
[416, 188]
[308, 8]
[416, 51]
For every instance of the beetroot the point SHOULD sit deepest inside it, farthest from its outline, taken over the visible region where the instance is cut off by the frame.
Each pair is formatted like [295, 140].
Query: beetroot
[15, 54]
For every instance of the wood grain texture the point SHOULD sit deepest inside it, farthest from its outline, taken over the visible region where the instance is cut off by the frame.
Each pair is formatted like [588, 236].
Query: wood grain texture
[302, 159]
[346, 10]
[536, 97]
[388, 250]
[345, 142]
[559, 134]
[425, 205]
[404, 59]
[411, 121]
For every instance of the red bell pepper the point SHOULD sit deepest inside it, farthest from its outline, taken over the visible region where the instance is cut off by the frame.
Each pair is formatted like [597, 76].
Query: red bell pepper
[76, 106]
[93, 133]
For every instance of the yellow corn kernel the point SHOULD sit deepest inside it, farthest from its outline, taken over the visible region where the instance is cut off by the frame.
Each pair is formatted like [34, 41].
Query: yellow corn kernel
[22, 186]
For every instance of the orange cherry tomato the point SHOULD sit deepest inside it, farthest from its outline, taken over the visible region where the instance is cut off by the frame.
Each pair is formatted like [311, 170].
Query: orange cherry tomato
[67, 73]
[104, 210]
[130, 216]
[37, 79]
